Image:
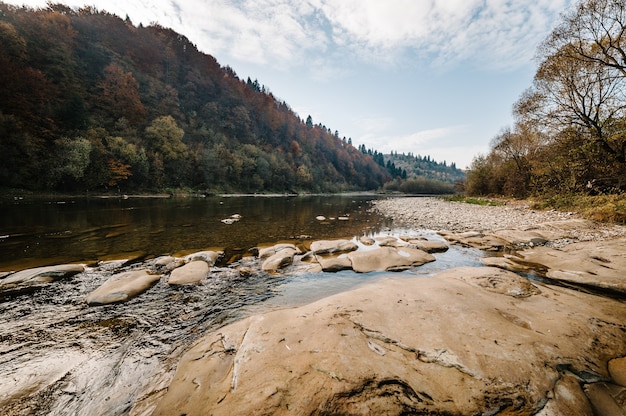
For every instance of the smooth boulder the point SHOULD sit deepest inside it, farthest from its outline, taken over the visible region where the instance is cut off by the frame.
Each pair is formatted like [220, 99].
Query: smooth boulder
[333, 246]
[190, 274]
[209, 257]
[266, 252]
[334, 263]
[122, 287]
[388, 259]
[280, 259]
[430, 246]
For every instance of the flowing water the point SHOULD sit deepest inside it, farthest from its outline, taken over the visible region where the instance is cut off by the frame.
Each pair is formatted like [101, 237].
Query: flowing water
[59, 356]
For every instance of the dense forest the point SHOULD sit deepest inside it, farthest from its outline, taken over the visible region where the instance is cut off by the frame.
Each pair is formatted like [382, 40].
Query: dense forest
[91, 102]
[569, 134]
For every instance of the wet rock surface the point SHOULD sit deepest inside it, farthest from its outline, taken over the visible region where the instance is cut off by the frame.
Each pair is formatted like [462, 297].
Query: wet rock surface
[60, 356]
[33, 279]
[381, 350]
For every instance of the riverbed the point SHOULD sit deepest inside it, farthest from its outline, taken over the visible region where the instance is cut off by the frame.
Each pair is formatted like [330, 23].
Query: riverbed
[61, 356]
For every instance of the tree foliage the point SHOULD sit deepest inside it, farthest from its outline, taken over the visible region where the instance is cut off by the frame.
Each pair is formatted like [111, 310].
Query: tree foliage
[570, 130]
[90, 102]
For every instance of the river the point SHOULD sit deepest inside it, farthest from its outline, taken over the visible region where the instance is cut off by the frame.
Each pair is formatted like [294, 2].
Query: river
[59, 356]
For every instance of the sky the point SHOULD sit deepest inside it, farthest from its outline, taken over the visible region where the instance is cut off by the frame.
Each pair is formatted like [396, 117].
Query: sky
[429, 77]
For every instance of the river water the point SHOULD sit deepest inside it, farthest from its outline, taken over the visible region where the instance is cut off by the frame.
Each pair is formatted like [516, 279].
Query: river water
[59, 356]
[36, 232]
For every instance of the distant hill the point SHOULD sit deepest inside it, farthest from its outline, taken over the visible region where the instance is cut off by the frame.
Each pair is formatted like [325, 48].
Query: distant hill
[409, 166]
[91, 102]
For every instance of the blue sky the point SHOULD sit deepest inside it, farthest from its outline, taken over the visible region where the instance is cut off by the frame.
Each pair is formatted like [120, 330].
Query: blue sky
[431, 77]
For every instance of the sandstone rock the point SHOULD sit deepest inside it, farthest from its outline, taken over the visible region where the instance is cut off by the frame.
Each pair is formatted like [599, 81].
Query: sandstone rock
[190, 274]
[334, 264]
[599, 264]
[209, 257]
[478, 240]
[569, 399]
[390, 242]
[497, 281]
[527, 237]
[43, 274]
[602, 402]
[32, 279]
[163, 261]
[333, 246]
[279, 260]
[406, 346]
[165, 264]
[368, 241]
[122, 287]
[388, 259]
[430, 246]
[505, 263]
[617, 371]
[245, 271]
[266, 252]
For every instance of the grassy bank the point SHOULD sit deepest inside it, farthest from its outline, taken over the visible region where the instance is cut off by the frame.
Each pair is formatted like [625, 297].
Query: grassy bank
[604, 208]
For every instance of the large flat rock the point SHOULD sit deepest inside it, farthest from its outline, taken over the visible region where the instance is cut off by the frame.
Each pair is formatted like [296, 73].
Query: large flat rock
[598, 264]
[462, 342]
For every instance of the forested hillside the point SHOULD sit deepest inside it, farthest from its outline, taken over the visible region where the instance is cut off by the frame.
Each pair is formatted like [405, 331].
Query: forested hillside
[90, 102]
[569, 136]
[411, 166]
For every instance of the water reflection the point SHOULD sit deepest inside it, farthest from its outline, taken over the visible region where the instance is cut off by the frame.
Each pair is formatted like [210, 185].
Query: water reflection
[36, 233]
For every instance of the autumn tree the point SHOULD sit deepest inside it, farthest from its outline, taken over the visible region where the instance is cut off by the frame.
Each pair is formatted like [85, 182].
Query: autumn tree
[570, 128]
[595, 31]
[120, 94]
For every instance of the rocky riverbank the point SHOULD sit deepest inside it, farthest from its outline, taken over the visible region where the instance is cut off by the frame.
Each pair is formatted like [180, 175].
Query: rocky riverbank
[438, 214]
[478, 340]
[169, 335]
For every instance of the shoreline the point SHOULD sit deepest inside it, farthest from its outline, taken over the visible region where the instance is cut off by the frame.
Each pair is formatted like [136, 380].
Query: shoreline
[440, 215]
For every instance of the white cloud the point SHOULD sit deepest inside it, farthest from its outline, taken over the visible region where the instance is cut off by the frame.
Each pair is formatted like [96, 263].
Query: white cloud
[287, 33]
[412, 142]
[491, 33]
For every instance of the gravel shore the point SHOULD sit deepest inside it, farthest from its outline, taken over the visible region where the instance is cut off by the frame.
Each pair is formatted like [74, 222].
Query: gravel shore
[438, 214]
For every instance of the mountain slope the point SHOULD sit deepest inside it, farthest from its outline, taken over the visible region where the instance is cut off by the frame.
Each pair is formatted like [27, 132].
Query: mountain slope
[91, 102]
